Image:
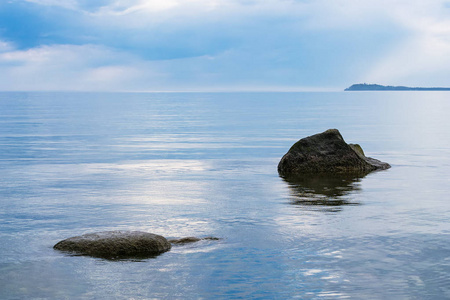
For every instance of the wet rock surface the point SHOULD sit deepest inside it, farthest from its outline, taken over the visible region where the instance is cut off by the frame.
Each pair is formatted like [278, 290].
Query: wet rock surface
[327, 153]
[115, 244]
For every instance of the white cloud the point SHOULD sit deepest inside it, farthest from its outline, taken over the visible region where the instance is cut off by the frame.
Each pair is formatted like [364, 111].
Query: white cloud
[5, 47]
[120, 7]
[68, 67]
[422, 61]
[423, 56]
[324, 14]
[125, 7]
[57, 54]
[69, 4]
[188, 43]
[89, 67]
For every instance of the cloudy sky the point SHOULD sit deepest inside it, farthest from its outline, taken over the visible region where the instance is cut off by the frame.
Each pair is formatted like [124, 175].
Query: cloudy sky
[216, 45]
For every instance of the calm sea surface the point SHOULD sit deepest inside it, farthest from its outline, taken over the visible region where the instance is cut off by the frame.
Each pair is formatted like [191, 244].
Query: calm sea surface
[199, 164]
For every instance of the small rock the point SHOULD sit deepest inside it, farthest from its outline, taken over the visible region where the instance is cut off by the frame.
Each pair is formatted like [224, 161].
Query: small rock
[115, 244]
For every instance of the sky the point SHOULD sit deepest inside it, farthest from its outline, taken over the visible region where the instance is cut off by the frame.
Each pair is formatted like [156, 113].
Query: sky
[222, 45]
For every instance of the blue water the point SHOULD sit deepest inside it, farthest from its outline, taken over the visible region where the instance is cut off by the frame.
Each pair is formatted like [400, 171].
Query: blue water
[199, 164]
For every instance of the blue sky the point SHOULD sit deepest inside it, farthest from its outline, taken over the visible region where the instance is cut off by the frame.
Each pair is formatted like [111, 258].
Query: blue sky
[218, 45]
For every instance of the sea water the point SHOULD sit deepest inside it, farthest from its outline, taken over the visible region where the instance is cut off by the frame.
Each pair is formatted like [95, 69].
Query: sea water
[205, 164]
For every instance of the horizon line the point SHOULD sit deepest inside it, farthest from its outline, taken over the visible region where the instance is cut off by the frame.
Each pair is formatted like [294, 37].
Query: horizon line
[200, 90]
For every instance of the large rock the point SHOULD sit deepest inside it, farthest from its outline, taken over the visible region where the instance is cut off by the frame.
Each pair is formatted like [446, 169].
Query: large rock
[327, 153]
[115, 244]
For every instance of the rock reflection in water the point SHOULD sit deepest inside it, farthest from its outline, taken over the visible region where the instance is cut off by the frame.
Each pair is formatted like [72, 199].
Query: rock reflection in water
[328, 192]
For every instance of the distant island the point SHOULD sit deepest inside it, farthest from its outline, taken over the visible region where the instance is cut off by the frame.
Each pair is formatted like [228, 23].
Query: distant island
[377, 87]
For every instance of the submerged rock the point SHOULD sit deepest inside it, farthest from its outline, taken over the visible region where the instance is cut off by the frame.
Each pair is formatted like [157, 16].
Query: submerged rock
[327, 153]
[115, 244]
[191, 239]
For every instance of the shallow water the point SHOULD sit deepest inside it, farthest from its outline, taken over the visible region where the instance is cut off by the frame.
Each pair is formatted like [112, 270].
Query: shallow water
[199, 164]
